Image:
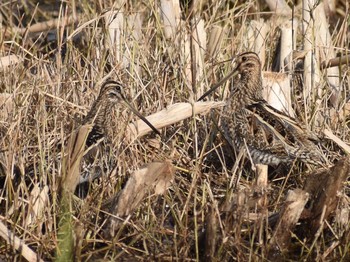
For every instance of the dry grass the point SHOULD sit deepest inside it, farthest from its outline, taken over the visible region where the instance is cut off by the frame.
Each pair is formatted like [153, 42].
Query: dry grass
[52, 83]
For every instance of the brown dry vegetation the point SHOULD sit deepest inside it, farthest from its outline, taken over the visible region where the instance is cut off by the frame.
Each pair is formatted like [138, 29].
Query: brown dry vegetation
[214, 209]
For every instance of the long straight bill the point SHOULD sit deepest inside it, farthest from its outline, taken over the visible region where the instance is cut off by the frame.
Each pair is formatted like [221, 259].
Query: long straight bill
[141, 117]
[233, 73]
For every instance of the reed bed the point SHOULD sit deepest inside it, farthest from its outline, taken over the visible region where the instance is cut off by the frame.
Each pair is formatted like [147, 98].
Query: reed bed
[178, 196]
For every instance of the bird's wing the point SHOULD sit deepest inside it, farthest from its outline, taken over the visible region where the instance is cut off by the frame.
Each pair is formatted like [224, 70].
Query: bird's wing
[281, 124]
[289, 122]
[284, 132]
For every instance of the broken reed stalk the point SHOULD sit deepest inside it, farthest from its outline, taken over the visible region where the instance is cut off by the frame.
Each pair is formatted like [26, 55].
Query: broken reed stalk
[257, 32]
[170, 14]
[328, 133]
[337, 61]
[288, 43]
[324, 39]
[18, 244]
[198, 45]
[261, 184]
[288, 217]
[308, 46]
[211, 228]
[47, 25]
[115, 24]
[324, 188]
[277, 91]
[215, 40]
[173, 114]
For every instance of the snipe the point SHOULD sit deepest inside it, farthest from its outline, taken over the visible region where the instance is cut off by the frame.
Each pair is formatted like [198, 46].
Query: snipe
[111, 94]
[248, 122]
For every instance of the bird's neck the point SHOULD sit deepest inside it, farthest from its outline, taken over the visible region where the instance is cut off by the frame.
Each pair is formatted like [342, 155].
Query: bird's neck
[98, 118]
[251, 86]
[98, 113]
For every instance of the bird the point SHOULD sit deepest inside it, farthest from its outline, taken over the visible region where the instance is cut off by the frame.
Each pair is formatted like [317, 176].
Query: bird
[97, 158]
[111, 94]
[248, 122]
[98, 139]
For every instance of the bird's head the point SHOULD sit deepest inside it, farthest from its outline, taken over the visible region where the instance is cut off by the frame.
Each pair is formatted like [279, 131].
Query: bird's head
[248, 63]
[248, 67]
[112, 91]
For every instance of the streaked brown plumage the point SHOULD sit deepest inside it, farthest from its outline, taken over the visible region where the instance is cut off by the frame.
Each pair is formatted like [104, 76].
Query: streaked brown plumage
[111, 94]
[270, 136]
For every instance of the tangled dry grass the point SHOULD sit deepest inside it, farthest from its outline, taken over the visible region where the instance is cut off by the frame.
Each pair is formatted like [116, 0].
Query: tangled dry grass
[215, 208]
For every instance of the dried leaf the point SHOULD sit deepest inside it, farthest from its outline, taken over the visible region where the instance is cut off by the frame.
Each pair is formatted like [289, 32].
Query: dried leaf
[75, 149]
[39, 199]
[156, 176]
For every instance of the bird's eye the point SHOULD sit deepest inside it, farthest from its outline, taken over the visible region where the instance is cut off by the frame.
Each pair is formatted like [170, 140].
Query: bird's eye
[244, 58]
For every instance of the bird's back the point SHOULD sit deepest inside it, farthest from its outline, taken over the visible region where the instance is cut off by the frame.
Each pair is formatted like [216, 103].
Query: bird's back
[271, 136]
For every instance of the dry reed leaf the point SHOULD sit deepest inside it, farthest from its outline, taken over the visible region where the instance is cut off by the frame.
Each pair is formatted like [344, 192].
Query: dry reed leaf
[6, 61]
[173, 114]
[277, 91]
[258, 32]
[6, 106]
[156, 176]
[288, 43]
[199, 43]
[170, 14]
[324, 38]
[115, 22]
[288, 217]
[280, 7]
[215, 40]
[75, 153]
[18, 244]
[328, 133]
[38, 201]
